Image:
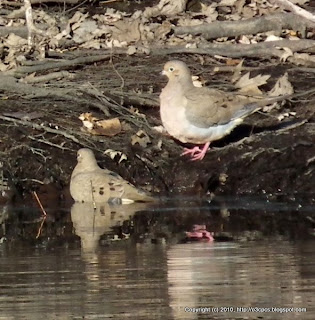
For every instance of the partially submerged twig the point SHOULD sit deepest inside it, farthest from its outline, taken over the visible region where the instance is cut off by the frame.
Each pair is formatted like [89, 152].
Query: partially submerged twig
[39, 203]
[44, 214]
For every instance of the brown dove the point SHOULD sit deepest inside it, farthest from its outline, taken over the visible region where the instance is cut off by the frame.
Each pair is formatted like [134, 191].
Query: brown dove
[90, 183]
[201, 115]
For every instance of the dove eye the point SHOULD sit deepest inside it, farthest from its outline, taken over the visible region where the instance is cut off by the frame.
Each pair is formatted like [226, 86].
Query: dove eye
[171, 69]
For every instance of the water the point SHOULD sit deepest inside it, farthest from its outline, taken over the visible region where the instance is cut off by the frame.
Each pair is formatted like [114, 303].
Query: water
[152, 273]
[150, 281]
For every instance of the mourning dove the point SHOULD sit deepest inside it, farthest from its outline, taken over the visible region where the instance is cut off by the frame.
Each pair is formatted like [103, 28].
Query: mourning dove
[201, 115]
[90, 183]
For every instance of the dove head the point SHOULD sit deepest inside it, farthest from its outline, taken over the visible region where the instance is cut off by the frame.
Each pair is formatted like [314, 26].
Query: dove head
[177, 70]
[86, 158]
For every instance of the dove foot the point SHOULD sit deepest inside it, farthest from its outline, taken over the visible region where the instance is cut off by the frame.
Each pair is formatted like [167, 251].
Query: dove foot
[196, 153]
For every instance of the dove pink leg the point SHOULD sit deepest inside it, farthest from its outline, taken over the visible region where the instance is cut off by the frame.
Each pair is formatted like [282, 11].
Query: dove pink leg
[197, 153]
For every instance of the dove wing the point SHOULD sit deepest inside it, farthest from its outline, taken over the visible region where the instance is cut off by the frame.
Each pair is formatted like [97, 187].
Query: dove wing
[210, 107]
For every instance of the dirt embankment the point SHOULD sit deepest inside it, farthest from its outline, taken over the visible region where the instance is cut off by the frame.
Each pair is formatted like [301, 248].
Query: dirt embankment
[272, 153]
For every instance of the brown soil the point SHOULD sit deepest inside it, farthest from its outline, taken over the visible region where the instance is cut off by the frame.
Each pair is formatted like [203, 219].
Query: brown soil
[274, 158]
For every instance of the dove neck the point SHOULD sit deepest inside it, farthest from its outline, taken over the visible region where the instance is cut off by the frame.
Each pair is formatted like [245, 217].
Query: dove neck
[90, 165]
[185, 82]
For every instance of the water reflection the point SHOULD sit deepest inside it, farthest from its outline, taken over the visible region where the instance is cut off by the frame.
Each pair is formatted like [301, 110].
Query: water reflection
[219, 275]
[91, 221]
[149, 281]
[143, 278]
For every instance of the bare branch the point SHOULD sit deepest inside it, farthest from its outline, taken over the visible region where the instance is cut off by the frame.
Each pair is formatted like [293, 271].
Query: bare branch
[272, 22]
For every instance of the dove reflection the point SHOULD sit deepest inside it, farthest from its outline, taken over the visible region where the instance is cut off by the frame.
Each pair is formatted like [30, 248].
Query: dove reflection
[91, 221]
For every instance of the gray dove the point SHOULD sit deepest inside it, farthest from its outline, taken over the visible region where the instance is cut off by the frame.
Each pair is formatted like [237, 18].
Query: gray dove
[90, 183]
[201, 115]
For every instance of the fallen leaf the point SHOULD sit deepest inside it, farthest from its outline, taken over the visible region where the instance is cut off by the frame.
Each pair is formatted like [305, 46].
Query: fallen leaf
[250, 85]
[95, 126]
[166, 8]
[196, 81]
[272, 37]
[126, 30]
[131, 50]
[287, 52]
[285, 115]
[233, 62]
[141, 138]
[160, 129]
[227, 3]
[113, 153]
[237, 72]
[304, 58]
[282, 87]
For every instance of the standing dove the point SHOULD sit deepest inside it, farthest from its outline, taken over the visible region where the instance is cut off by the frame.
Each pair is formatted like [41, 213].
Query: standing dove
[201, 115]
[90, 183]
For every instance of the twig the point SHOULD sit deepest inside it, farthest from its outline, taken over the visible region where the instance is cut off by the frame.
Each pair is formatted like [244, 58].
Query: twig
[41, 227]
[44, 214]
[41, 127]
[261, 134]
[92, 193]
[48, 143]
[39, 203]
[33, 180]
[65, 64]
[48, 77]
[296, 9]
[114, 68]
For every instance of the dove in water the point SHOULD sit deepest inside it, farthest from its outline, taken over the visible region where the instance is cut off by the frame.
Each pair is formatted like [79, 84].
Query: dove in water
[90, 183]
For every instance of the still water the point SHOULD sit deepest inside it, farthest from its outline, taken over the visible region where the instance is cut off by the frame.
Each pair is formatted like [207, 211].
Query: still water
[269, 278]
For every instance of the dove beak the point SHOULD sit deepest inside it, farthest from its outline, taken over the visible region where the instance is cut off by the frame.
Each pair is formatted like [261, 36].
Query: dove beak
[163, 73]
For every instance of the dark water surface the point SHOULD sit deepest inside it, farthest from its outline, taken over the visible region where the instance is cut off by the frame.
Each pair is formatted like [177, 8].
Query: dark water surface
[131, 262]
[159, 281]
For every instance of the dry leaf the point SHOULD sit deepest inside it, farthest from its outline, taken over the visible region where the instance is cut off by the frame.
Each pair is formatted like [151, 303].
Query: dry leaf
[233, 62]
[126, 30]
[209, 11]
[250, 85]
[113, 153]
[162, 30]
[95, 126]
[237, 72]
[141, 138]
[226, 3]
[285, 115]
[160, 129]
[304, 58]
[196, 81]
[286, 54]
[85, 31]
[166, 8]
[282, 87]
[159, 144]
[272, 37]
[15, 41]
[131, 50]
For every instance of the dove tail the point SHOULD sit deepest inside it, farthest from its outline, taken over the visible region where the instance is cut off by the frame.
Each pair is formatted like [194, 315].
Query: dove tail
[247, 110]
[255, 106]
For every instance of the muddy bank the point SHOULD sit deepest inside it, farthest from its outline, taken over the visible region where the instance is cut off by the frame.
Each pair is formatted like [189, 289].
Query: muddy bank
[263, 156]
[43, 93]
